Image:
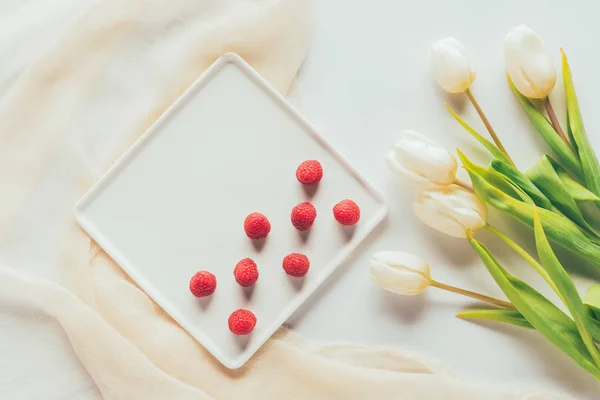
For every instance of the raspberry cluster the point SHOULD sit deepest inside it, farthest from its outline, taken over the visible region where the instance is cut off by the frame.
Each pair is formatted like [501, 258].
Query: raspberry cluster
[257, 226]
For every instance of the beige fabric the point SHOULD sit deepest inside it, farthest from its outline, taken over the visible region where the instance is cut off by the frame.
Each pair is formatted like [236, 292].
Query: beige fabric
[81, 83]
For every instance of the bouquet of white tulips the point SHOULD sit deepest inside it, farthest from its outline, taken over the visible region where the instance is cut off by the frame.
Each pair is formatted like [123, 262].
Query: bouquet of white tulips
[547, 198]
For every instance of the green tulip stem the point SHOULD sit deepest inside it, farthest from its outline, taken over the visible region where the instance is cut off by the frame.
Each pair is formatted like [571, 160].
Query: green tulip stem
[473, 295]
[526, 256]
[487, 124]
[463, 184]
[555, 123]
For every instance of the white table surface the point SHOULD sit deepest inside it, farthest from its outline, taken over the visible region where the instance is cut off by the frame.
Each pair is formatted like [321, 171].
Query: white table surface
[367, 78]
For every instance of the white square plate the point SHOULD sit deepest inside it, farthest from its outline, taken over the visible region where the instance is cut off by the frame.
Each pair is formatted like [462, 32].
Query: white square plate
[176, 201]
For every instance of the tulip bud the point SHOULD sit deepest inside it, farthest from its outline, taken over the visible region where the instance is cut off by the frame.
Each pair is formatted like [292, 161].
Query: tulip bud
[420, 160]
[399, 272]
[450, 209]
[528, 63]
[450, 65]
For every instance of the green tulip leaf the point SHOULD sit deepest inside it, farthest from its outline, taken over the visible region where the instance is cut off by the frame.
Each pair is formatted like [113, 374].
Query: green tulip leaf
[515, 318]
[543, 175]
[574, 188]
[521, 180]
[593, 322]
[593, 312]
[544, 316]
[592, 299]
[589, 161]
[564, 284]
[560, 229]
[511, 317]
[550, 136]
[595, 328]
[494, 151]
[491, 176]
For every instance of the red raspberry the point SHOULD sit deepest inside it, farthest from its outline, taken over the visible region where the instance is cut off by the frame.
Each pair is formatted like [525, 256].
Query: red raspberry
[309, 172]
[296, 264]
[245, 272]
[346, 212]
[257, 226]
[242, 322]
[203, 284]
[303, 216]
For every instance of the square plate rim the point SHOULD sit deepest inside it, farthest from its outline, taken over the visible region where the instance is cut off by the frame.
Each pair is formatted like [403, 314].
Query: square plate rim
[122, 162]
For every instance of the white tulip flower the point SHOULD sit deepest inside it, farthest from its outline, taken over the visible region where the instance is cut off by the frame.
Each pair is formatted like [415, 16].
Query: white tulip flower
[404, 273]
[450, 65]
[399, 272]
[417, 159]
[450, 209]
[528, 63]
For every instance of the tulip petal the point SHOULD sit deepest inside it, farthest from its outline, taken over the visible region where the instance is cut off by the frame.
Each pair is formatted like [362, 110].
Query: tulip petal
[423, 157]
[439, 221]
[400, 281]
[450, 209]
[450, 65]
[399, 272]
[402, 260]
[528, 63]
[402, 173]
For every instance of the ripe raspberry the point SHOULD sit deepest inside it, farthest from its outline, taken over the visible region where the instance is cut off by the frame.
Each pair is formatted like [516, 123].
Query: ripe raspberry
[203, 284]
[241, 322]
[296, 264]
[257, 226]
[309, 172]
[346, 212]
[245, 272]
[303, 216]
